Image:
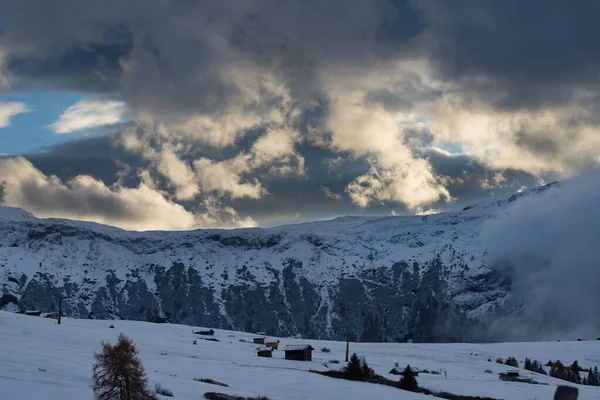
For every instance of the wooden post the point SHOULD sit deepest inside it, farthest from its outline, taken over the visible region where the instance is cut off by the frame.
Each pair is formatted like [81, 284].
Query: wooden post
[60, 299]
[347, 347]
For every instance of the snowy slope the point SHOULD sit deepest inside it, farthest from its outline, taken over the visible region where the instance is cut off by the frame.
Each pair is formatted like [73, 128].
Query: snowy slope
[64, 353]
[380, 278]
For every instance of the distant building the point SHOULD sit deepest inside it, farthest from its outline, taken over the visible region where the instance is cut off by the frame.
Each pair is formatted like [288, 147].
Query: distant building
[399, 371]
[259, 340]
[209, 332]
[298, 352]
[273, 345]
[264, 352]
[33, 313]
[52, 315]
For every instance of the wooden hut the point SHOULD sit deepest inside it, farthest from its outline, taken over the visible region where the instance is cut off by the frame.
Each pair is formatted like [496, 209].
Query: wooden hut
[52, 315]
[209, 332]
[399, 371]
[264, 352]
[259, 340]
[33, 313]
[301, 352]
[272, 345]
[395, 371]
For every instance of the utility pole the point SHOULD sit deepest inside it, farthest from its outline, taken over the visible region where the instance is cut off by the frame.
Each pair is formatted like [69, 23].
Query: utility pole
[60, 299]
[347, 346]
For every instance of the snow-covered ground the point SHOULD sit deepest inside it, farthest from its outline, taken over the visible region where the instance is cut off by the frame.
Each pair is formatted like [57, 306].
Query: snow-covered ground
[42, 360]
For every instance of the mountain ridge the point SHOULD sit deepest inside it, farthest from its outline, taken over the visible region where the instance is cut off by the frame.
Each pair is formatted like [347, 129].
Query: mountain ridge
[421, 278]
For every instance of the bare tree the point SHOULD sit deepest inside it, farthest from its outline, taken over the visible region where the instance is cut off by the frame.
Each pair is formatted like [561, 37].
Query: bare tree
[118, 373]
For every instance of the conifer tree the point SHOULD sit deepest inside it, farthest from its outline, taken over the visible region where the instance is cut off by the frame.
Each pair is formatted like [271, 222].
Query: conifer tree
[574, 372]
[367, 372]
[512, 362]
[408, 380]
[118, 373]
[353, 370]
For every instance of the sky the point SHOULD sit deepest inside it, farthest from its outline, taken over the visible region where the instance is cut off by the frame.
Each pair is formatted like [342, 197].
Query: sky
[184, 114]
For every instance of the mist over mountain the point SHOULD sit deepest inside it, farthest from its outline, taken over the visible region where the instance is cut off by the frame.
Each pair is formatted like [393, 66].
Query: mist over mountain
[521, 267]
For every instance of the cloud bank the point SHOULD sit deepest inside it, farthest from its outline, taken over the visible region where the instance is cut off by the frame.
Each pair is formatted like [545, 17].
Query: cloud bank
[139, 208]
[228, 102]
[546, 246]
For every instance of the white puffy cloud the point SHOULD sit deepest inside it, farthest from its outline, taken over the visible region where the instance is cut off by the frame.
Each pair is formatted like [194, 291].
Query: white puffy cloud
[395, 174]
[89, 114]
[10, 109]
[225, 177]
[559, 139]
[165, 159]
[86, 198]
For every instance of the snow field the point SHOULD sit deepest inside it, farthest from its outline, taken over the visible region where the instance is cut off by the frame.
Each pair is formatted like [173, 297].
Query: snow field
[42, 360]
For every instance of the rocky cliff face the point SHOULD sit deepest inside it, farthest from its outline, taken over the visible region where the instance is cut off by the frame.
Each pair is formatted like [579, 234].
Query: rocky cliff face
[422, 278]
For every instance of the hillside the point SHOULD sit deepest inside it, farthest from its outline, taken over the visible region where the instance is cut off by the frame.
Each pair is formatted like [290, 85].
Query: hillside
[40, 359]
[419, 278]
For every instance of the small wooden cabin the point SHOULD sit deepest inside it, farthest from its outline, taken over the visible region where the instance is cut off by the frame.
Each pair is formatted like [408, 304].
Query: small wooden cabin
[272, 345]
[259, 340]
[400, 371]
[264, 352]
[33, 313]
[52, 315]
[209, 332]
[512, 373]
[298, 352]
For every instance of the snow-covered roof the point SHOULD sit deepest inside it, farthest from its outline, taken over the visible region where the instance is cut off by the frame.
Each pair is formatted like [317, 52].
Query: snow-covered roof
[264, 349]
[401, 370]
[298, 347]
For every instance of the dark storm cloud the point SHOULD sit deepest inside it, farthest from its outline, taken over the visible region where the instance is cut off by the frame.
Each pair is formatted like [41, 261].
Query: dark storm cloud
[96, 156]
[179, 49]
[517, 53]
[291, 198]
[181, 58]
[511, 53]
[90, 67]
[469, 181]
[101, 158]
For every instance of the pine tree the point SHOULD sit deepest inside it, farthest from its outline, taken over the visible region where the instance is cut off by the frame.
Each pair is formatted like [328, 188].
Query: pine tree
[353, 370]
[537, 367]
[512, 362]
[408, 381]
[593, 378]
[574, 372]
[534, 366]
[558, 370]
[118, 373]
[367, 372]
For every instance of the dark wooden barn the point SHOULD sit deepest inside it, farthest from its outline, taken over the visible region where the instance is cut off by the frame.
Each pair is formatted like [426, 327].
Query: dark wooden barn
[273, 345]
[400, 371]
[209, 332]
[259, 340]
[33, 313]
[264, 352]
[301, 352]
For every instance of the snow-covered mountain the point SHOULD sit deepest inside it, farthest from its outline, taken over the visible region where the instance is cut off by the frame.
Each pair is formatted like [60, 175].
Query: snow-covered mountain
[423, 278]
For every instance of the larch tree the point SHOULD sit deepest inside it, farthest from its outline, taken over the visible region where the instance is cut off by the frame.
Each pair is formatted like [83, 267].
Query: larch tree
[118, 373]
